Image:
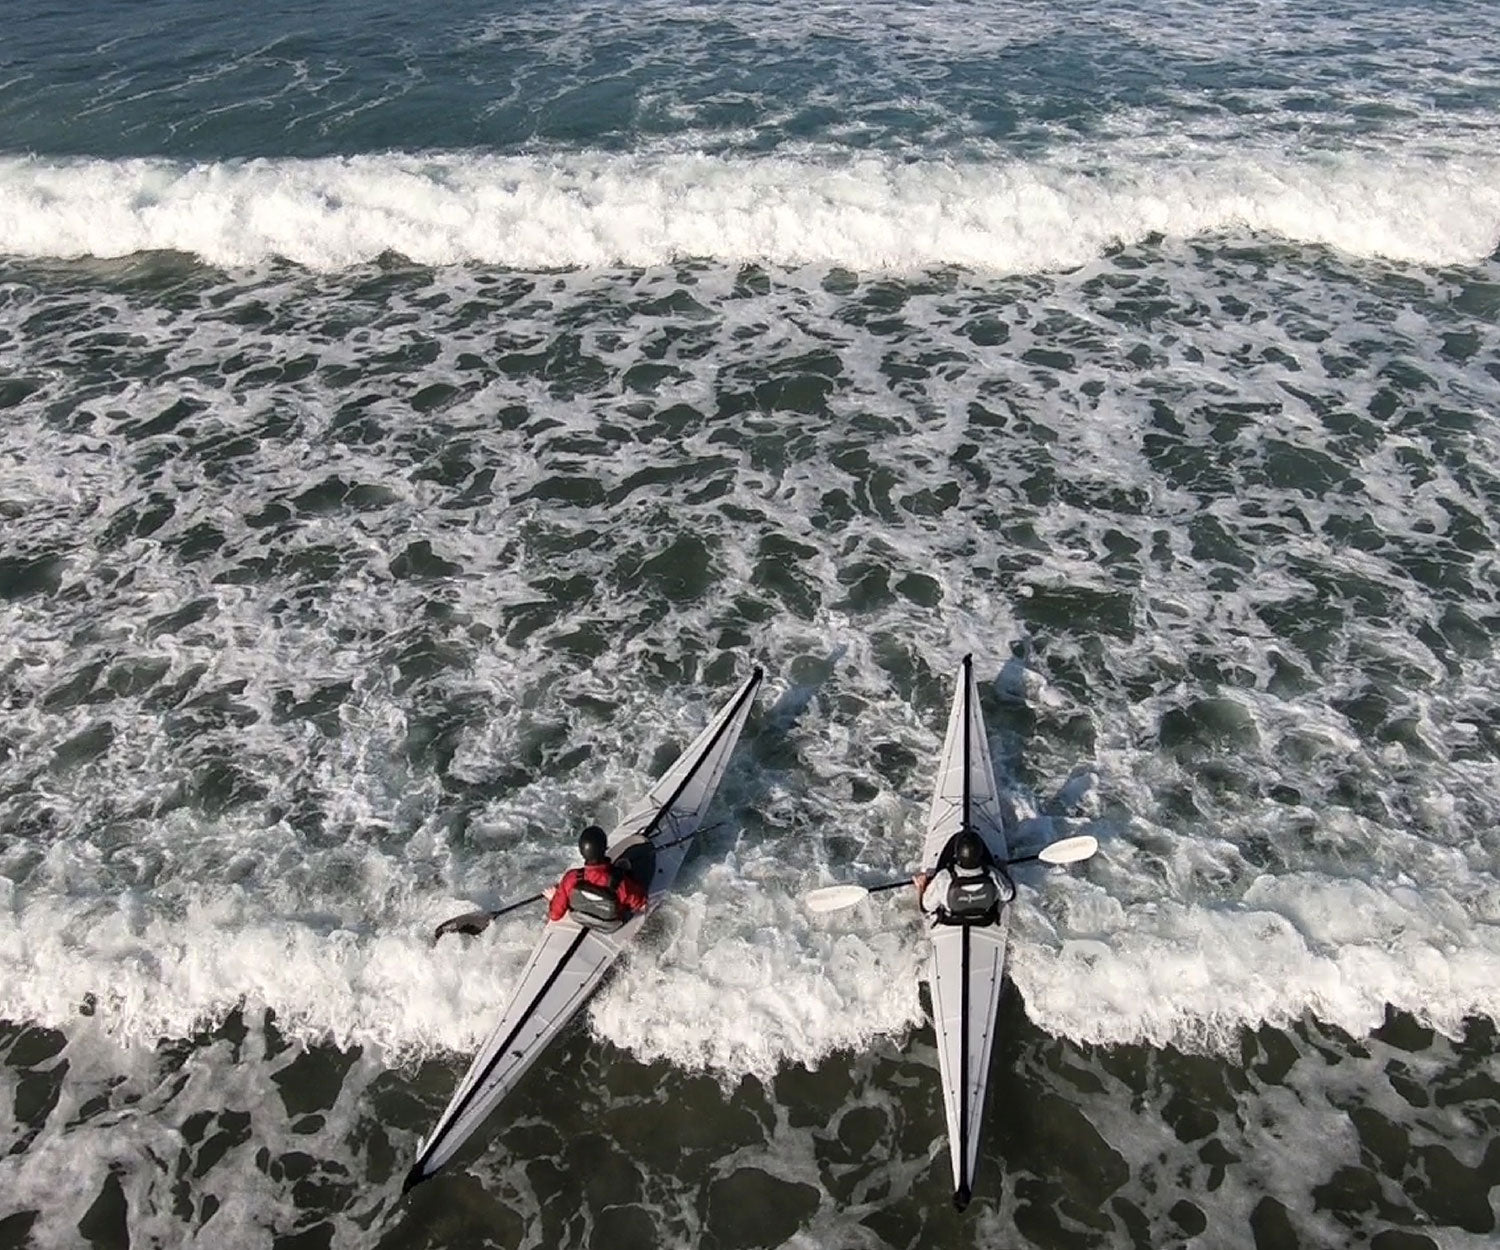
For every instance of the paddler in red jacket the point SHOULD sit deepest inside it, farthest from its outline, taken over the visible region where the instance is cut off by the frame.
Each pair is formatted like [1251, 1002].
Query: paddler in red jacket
[600, 891]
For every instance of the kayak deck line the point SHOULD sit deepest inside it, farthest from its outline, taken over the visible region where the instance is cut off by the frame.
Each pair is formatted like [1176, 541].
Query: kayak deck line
[961, 1194]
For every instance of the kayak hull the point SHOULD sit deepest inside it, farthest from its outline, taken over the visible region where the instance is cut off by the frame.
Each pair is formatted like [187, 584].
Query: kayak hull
[570, 958]
[967, 966]
[965, 973]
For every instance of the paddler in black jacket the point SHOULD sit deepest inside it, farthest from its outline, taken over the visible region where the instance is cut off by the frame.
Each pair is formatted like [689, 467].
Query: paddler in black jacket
[972, 891]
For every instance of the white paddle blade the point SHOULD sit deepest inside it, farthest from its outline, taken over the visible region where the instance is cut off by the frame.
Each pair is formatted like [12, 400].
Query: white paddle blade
[835, 897]
[1069, 850]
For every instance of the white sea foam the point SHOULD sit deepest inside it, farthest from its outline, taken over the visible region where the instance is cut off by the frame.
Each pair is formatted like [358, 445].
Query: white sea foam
[1195, 975]
[735, 979]
[317, 899]
[868, 213]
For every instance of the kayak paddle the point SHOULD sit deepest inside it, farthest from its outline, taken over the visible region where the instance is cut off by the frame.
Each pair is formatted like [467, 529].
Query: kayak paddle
[838, 897]
[472, 922]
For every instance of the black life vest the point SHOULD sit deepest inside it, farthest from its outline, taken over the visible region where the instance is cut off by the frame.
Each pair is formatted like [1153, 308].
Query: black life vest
[596, 902]
[972, 899]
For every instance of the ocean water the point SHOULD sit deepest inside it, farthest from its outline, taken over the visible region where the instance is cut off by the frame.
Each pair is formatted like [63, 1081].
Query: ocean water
[413, 424]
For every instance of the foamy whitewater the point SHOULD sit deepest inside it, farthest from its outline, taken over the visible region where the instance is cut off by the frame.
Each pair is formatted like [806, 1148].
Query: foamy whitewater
[412, 429]
[864, 212]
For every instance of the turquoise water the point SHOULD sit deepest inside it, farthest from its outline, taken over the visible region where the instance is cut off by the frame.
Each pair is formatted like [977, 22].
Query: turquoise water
[413, 425]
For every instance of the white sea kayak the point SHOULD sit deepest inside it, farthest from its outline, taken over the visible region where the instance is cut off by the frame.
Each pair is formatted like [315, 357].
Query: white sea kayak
[571, 958]
[968, 960]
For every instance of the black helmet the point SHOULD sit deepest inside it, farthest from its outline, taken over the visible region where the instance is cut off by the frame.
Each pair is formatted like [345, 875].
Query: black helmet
[593, 844]
[968, 851]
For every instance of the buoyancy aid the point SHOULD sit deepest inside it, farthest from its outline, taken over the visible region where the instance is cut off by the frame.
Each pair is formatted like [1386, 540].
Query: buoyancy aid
[596, 898]
[972, 897]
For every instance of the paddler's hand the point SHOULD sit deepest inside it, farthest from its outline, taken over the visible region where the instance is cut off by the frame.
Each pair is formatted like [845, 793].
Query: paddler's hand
[920, 881]
[548, 891]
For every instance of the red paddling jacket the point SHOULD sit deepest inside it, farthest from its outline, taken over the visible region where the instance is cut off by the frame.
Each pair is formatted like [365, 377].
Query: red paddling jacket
[628, 892]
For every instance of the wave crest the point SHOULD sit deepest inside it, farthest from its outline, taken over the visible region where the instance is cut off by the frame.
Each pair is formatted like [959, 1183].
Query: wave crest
[873, 213]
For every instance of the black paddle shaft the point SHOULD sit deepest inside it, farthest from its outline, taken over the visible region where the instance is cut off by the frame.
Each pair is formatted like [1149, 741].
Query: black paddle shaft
[896, 885]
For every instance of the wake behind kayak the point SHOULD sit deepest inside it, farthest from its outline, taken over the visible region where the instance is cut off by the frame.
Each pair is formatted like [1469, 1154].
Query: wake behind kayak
[571, 957]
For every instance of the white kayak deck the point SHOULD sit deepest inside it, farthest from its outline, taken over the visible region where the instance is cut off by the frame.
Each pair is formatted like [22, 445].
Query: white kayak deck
[570, 959]
[968, 961]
